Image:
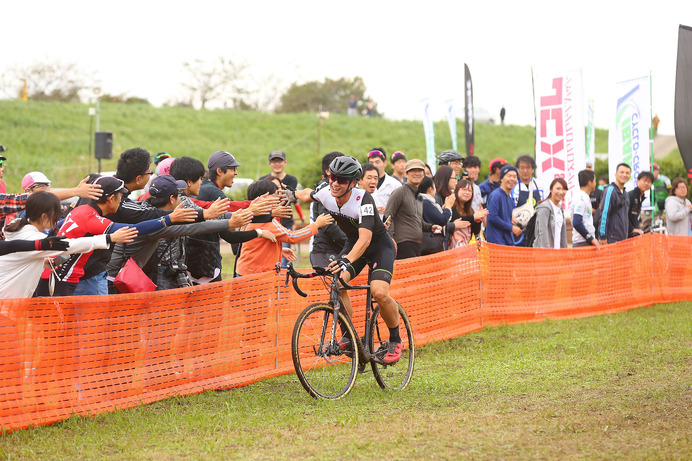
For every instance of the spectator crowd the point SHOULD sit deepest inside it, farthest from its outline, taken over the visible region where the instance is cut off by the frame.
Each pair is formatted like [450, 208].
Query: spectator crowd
[172, 231]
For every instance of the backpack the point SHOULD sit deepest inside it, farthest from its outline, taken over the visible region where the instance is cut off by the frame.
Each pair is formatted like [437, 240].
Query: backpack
[529, 232]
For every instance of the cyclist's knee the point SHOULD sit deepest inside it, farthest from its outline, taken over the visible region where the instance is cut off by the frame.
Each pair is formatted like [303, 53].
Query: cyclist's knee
[380, 291]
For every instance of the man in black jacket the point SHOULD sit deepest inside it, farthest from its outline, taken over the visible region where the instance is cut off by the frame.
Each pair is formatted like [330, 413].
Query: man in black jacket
[615, 204]
[644, 182]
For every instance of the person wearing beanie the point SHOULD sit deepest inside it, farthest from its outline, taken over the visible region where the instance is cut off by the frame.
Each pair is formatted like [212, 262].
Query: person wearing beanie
[493, 181]
[500, 228]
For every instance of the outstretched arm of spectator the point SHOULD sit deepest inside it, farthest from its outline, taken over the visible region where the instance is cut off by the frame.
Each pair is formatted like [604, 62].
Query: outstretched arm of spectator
[48, 243]
[83, 190]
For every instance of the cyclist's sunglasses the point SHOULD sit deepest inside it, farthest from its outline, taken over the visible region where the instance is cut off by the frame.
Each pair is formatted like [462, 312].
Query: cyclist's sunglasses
[2, 163]
[338, 179]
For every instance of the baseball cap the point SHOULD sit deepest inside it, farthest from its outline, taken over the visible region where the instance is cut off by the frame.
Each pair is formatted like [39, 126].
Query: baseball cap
[35, 177]
[111, 185]
[398, 155]
[165, 186]
[221, 159]
[277, 154]
[161, 156]
[496, 163]
[414, 164]
[506, 169]
[165, 166]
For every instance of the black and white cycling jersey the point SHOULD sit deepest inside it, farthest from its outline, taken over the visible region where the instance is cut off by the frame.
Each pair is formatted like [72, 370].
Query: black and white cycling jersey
[359, 211]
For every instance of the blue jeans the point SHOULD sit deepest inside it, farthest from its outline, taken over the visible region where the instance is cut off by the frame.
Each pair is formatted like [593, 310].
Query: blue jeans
[96, 285]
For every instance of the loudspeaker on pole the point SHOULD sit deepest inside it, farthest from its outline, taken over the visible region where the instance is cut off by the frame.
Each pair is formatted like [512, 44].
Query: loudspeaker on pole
[103, 144]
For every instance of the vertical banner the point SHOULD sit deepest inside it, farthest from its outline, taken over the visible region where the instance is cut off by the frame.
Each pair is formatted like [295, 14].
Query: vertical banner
[429, 129]
[560, 145]
[452, 119]
[468, 111]
[590, 138]
[628, 139]
[683, 97]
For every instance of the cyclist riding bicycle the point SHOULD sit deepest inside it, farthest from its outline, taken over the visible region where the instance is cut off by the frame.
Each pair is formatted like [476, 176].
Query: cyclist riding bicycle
[367, 243]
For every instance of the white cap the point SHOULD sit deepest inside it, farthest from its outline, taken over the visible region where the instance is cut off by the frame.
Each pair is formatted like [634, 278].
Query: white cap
[35, 177]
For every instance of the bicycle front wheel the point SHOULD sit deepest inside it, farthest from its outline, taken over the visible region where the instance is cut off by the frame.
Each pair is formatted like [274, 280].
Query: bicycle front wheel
[396, 376]
[323, 369]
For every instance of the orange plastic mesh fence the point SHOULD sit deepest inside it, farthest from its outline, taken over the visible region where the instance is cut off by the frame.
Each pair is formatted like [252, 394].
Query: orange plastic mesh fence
[86, 355]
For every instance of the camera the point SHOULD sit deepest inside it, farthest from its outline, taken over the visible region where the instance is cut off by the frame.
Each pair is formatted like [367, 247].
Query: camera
[179, 272]
[175, 268]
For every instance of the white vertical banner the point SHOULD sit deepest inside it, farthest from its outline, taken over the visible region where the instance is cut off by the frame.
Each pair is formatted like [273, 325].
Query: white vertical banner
[429, 135]
[560, 144]
[628, 138]
[452, 119]
[590, 138]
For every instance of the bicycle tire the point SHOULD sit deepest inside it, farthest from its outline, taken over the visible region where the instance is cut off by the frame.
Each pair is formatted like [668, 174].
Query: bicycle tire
[323, 373]
[396, 376]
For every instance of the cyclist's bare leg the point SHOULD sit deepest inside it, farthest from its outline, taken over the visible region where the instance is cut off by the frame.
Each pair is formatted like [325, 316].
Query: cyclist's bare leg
[388, 307]
[344, 295]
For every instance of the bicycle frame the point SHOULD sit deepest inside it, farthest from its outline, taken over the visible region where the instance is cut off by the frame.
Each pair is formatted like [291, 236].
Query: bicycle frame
[336, 302]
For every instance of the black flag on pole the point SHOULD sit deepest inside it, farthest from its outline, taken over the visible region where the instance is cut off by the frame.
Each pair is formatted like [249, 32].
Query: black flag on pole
[683, 97]
[468, 111]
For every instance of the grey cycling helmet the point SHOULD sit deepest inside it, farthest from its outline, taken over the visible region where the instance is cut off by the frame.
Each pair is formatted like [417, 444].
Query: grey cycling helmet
[448, 156]
[345, 167]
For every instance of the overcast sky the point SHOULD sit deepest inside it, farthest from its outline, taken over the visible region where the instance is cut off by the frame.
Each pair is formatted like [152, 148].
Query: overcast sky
[404, 51]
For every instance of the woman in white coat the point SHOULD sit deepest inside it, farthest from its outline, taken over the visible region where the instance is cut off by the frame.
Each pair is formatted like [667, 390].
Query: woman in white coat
[678, 209]
[20, 272]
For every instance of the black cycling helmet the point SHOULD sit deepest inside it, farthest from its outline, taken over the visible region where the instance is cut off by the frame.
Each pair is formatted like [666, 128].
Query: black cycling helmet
[448, 156]
[345, 167]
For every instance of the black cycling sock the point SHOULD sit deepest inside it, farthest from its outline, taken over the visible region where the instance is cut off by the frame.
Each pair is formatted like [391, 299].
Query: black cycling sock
[344, 331]
[394, 335]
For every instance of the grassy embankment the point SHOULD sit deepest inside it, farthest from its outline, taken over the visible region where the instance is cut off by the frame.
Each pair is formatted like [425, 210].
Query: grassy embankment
[606, 387]
[55, 138]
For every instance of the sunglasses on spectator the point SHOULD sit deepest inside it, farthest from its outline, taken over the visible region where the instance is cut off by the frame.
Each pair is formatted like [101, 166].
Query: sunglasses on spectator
[338, 180]
[375, 153]
[39, 185]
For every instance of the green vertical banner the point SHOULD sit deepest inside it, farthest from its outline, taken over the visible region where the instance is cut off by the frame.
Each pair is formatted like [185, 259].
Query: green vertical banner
[590, 138]
[452, 119]
[429, 129]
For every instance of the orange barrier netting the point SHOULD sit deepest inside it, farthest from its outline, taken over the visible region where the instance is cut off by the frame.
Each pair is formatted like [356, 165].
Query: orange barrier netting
[87, 355]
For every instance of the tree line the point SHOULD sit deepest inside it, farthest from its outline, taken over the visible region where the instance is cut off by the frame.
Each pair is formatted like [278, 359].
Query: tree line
[219, 82]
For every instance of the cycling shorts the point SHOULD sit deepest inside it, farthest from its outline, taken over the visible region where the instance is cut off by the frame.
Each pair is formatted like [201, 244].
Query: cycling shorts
[379, 257]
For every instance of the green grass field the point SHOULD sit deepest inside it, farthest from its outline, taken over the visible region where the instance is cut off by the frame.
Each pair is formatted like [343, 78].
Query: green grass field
[605, 387]
[55, 138]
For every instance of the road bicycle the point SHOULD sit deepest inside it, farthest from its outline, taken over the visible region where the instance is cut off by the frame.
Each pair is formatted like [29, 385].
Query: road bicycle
[323, 367]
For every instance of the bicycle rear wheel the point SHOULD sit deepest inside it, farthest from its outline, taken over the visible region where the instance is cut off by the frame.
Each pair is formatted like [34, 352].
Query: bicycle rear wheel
[398, 375]
[323, 369]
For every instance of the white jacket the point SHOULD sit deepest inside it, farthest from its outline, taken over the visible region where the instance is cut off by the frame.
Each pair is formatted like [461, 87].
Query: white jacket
[678, 216]
[381, 195]
[21, 271]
